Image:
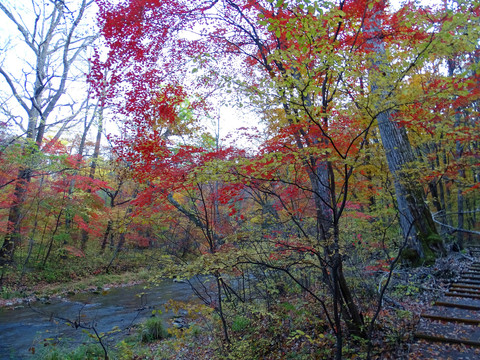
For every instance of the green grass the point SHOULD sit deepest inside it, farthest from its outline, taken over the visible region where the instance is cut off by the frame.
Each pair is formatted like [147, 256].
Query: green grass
[83, 352]
[153, 329]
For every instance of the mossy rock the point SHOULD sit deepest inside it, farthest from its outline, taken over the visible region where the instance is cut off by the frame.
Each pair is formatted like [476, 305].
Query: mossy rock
[432, 246]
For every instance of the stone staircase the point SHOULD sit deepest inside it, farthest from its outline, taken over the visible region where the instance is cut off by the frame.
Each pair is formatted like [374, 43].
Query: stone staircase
[454, 319]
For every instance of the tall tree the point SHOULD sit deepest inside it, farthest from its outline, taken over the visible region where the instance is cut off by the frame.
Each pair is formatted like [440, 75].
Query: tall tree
[52, 36]
[415, 217]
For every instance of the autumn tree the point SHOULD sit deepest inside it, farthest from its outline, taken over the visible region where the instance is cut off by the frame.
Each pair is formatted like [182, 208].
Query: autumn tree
[325, 77]
[52, 34]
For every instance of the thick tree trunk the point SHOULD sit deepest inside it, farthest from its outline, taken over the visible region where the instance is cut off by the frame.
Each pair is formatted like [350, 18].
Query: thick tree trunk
[415, 217]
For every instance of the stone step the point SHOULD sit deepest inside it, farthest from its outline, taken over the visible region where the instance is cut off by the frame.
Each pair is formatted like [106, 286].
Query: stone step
[464, 290]
[467, 281]
[459, 303]
[425, 350]
[463, 295]
[471, 277]
[465, 286]
[452, 314]
[474, 273]
[449, 332]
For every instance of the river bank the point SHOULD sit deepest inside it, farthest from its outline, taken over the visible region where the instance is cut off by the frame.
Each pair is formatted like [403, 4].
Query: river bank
[12, 297]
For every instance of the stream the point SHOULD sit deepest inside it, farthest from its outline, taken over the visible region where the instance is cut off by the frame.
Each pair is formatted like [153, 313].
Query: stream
[27, 326]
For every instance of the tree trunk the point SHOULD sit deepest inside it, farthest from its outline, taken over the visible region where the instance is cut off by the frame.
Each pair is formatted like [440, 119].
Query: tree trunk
[52, 238]
[13, 235]
[461, 172]
[415, 217]
[105, 235]
[93, 166]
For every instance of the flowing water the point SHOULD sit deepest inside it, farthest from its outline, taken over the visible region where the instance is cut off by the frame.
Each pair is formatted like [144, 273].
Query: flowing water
[33, 326]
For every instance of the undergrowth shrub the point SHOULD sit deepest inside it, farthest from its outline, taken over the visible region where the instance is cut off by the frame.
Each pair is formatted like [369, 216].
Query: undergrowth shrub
[153, 329]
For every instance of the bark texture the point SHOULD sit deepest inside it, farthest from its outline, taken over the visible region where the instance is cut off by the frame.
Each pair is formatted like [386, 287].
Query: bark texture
[415, 217]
